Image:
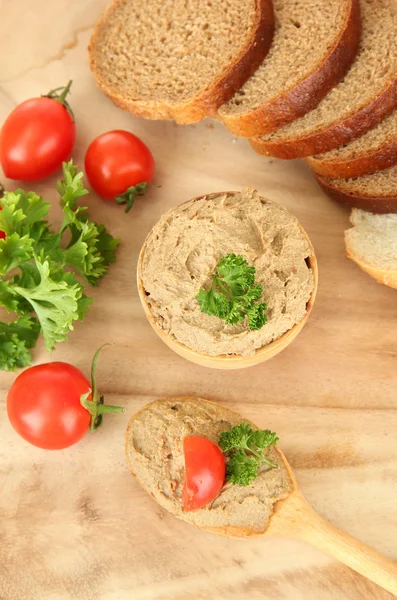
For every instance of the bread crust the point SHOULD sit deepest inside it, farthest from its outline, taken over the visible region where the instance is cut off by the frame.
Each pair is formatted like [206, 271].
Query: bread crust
[375, 204]
[307, 93]
[217, 92]
[384, 276]
[377, 159]
[336, 134]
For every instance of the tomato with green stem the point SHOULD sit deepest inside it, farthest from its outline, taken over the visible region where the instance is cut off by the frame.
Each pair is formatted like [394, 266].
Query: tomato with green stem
[205, 469]
[53, 405]
[38, 136]
[119, 167]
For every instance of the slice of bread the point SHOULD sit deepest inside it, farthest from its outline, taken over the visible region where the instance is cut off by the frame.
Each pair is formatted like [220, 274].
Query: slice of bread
[372, 244]
[372, 152]
[375, 193]
[313, 46]
[366, 95]
[178, 59]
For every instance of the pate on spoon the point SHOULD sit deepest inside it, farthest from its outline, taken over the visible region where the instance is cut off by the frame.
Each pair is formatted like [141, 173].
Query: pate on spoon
[270, 504]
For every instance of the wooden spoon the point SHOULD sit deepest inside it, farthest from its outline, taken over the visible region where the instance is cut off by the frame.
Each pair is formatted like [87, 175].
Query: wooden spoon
[293, 517]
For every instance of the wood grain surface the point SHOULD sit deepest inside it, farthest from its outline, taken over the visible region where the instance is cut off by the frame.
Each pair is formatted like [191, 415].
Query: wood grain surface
[73, 524]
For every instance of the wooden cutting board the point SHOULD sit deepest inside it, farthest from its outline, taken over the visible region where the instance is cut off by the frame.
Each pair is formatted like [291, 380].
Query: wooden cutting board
[74, 525]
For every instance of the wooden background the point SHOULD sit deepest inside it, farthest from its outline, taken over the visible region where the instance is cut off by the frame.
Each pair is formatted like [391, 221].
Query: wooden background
[73, 524]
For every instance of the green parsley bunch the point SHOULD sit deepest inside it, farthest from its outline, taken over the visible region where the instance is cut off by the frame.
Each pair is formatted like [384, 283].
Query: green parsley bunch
[38, 267]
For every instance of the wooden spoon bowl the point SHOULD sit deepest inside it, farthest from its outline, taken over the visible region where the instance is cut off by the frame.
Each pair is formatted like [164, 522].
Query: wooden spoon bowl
[292, 517]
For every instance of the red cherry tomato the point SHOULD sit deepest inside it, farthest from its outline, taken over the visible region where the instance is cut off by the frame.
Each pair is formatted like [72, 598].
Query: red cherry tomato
[51, 405]
[37, 137]
[118, 165]
[205, 469]
[44, 407]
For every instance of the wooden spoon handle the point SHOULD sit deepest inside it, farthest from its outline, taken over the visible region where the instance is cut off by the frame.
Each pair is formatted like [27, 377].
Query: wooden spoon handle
[351, 552]
[312, 528]
[299, 519]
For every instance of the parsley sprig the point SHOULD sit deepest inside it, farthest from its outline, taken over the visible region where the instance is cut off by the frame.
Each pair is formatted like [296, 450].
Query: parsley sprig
[245, 447]
[233, 295]
[39, 267]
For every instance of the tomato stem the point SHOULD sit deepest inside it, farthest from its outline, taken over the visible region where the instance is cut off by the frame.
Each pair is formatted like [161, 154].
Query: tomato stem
[104, 409]
[96, 406]
[66, 91]
[128, 197]
[93, 374]
[54, 95]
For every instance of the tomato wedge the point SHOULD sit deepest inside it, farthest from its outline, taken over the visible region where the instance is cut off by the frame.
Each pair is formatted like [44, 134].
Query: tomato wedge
[205, 469]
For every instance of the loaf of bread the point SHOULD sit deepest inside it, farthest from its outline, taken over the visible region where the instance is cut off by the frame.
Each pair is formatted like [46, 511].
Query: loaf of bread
[179, 59]
[375, 193]
[366, 95]
[313, 46]
[372, 244]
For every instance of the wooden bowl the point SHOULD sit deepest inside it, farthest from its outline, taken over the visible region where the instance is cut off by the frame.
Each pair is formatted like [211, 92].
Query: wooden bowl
[236, 361]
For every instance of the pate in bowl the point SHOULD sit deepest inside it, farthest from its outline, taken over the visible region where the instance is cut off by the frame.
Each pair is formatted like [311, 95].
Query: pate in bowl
[180, 258]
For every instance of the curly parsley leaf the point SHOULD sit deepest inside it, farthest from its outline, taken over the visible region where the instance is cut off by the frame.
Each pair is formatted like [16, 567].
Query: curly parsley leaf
[55, 304]
[262, 438]
[241, 469]
[71, 187]
[10, 300]
[91, 248]
[15, 340]
[214, 303]
[92, 252]
[256, 316]
[245, 446]
[14, 249]
[83, 302]
[107, 245]
[83, 305]
[233, 294]
[14, 353]
[21, 211]
[236, 437]
[236, 273]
